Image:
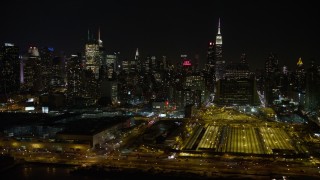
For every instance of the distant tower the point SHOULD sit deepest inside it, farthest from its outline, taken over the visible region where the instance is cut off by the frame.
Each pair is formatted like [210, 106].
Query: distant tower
[100, 43]
[134, 63]
[138, 61]
[218, 55]
[300, 76]
[243, 58]
[300, 63]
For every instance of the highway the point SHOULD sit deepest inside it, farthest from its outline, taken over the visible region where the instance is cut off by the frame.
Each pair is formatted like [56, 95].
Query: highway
[204, 166]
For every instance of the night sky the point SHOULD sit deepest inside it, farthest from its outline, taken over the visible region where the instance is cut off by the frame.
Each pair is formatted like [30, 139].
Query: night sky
[168, 28]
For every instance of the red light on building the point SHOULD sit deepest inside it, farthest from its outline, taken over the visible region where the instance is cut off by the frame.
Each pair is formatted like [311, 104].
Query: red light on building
[167, 103]
[186, 63]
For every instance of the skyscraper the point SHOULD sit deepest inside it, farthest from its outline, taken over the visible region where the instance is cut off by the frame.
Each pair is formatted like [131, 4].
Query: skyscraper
[93, 60]
[58, 79]
[220, 63]
[239, 91]
[186, 64]
[238, 70]
[300, 77]
[135, 62]
[9, 69]
[210, 77]
[272, 79]
[74, 78]
[146, 65]
[210, 55]
[138, 61]
[46, 55]
[271, 64]
[32, 70]
[312, 102]
[153, 64]
[111, 63]
[100, 43]
[243, 59]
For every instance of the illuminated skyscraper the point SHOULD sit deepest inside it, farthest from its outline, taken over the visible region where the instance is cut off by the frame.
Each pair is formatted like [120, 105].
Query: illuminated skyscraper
[220, 63]
[74, 78]
[9, 69]
[195, 83]
[111, 63]
[93, 60]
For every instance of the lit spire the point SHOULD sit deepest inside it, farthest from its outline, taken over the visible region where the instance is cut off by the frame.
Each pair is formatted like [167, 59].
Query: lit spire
[99, 40]
[88, 35]
[300, 63]
[219, 27]
[136, 57]
[99, 34]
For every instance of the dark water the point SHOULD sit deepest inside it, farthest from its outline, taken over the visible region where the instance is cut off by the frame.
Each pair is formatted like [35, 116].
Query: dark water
[42, 171]
[61, 172]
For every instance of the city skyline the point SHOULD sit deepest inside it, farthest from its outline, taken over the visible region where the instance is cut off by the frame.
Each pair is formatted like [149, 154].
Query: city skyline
[287, 29]
[172, 90]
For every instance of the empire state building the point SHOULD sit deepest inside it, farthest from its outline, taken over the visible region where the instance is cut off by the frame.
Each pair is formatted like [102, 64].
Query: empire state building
[219, 68]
